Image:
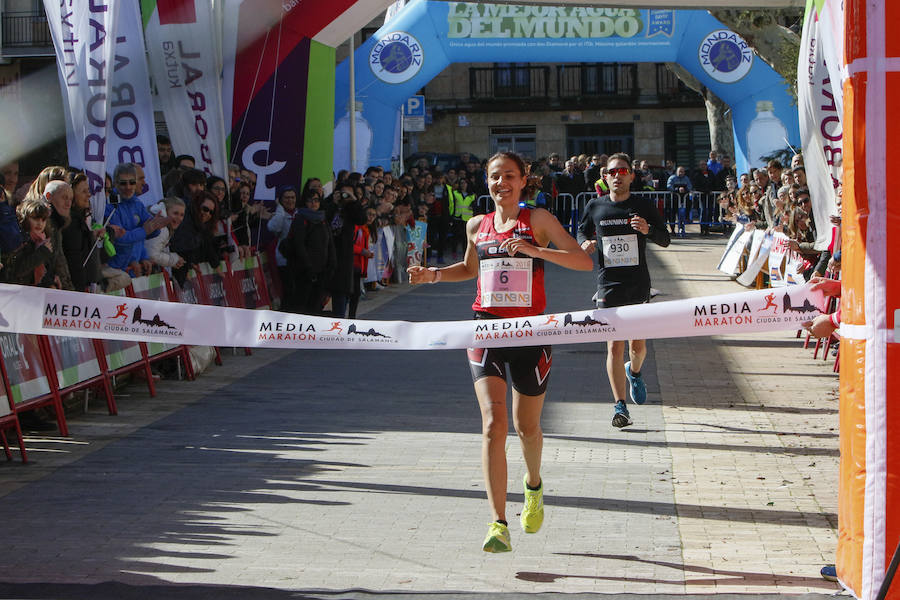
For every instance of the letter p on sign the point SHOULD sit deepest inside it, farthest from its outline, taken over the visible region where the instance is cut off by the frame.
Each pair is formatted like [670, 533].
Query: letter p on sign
[415, 106]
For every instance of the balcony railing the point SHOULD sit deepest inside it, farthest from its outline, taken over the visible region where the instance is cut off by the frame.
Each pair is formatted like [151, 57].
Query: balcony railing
[23, 30]
[673, 89]
[487, 83]
[606, 81]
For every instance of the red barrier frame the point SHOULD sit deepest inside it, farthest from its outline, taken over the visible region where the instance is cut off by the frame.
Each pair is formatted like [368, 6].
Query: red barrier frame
[10, 421]
[101, 380]
[52, 397]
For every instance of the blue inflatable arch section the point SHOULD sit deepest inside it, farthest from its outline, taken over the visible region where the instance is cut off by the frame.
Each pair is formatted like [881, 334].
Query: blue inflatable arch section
[428, 35]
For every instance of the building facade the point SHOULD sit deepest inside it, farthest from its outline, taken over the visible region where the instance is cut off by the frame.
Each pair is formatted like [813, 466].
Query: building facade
[587, 108]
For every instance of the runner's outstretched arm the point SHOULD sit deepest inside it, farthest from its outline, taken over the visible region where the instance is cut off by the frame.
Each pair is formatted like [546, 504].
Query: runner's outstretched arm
[461, 271]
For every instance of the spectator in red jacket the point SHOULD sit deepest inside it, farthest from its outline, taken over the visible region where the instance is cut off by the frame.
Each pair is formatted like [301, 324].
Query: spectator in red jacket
[361, 256]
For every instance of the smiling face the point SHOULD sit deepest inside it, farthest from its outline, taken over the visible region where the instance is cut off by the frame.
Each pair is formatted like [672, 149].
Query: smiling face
[761, 177]
[218, 190]
[176, 216]
[126, 185]
[62, 200]
[82, 195]
[505, 180]
[207, 209]
[36, 224]
[288, 200]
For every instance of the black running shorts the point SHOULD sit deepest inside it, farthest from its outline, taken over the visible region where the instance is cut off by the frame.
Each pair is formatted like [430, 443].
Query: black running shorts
[622, 295]
[529, 366]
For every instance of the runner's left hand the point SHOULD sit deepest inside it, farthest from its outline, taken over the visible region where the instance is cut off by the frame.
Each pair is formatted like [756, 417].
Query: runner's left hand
[640, 224]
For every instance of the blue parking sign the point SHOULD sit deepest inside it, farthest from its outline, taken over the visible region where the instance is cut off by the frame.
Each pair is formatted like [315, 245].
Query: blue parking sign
[415, 106]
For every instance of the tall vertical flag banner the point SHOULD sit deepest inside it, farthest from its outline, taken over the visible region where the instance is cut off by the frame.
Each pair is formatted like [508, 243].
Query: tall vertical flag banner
[821, 133]
[84, 35]
[185, 63]
[132, 135]
[869, 496]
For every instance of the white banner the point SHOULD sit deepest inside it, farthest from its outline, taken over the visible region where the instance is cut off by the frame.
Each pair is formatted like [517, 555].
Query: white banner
[821, 134]
[793, 269]
[53, 312]
[760, 256]
[83, 36]
[186, 67]
[780, 247]
[831, 43]
[734, 250]
[132, 137]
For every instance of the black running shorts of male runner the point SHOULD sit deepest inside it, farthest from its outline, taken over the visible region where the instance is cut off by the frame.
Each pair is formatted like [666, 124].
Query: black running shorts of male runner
[529, 366]
[622, 295]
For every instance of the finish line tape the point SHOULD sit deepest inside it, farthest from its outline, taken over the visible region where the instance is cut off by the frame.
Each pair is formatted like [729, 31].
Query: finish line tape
[53, 312]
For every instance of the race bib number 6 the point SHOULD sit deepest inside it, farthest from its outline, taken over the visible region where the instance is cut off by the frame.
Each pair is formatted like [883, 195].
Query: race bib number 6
[506, 282]
[620, 251]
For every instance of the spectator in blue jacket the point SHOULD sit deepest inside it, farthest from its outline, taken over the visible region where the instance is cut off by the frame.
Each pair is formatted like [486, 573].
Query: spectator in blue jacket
[131, 223]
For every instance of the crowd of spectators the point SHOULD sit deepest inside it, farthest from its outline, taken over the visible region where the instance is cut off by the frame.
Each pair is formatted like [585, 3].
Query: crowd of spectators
[777, 199]
[324, 241]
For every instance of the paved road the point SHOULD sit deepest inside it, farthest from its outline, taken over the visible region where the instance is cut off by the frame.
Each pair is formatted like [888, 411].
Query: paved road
[338, 474]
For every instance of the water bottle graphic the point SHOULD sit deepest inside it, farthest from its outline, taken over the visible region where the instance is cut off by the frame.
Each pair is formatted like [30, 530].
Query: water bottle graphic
[364, 139]
[765, 135]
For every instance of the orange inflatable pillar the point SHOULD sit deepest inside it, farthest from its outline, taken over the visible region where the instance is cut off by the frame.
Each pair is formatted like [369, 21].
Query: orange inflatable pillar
[869, 495]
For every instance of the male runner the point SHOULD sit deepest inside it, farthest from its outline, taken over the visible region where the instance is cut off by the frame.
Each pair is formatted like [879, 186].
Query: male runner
[620, 224]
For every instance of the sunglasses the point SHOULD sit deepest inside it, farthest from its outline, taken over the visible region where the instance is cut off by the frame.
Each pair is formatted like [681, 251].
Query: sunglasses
[206, 209]
[618, 171]
[127, 182]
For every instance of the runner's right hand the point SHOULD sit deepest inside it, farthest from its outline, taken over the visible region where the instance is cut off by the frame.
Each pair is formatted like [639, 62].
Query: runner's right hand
[419, 274]
[589, 246]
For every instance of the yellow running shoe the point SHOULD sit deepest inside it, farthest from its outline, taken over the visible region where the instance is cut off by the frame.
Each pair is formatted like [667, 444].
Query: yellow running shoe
[533, 511]
[497, 539]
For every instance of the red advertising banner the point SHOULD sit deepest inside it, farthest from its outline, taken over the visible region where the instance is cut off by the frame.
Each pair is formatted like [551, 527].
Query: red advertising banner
[248, 290]
[214, 284]
[75, 360]
[189, 291]
[24, 366]
[273, 283]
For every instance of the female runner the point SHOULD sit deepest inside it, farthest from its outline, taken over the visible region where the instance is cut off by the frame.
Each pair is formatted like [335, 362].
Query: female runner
[506, 251]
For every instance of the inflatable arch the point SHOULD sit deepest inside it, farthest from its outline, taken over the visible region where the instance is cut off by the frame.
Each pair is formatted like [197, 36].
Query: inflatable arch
[428, 35]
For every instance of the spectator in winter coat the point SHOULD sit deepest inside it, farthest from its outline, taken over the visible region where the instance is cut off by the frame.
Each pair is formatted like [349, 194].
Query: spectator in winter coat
[59, 195]
[344, 215]
[32, 263]
[310, 255]
[280, 223]
[195, 238]
[10, 233]
[134, 222]
[158, 247]
[78, 239]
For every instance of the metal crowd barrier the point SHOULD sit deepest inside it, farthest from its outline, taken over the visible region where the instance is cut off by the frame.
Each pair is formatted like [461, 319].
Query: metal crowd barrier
[678, 210]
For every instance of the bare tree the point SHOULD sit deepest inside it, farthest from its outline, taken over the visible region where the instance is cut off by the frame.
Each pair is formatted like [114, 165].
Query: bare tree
[774, 35]
[718, 114]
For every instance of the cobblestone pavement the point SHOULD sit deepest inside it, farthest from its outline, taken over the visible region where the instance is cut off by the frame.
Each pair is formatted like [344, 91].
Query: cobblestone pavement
[357, 474]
